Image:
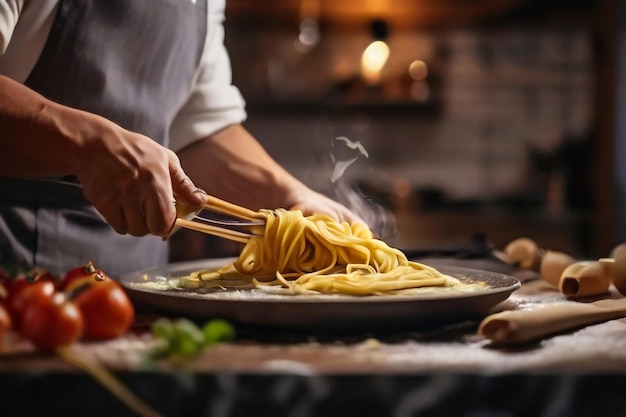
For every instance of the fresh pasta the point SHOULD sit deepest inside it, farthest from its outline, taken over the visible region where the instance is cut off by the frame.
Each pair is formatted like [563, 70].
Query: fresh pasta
[316, 254]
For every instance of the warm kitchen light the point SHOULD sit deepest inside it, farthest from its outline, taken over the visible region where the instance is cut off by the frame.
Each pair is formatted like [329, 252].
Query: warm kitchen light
[309, 26]
[373, 60]
[309, 35]
[418, 70]
[309, 32]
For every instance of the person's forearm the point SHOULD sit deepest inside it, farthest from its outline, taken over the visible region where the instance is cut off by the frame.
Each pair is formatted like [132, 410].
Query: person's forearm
[37, 136]
[129, 178]
[232, 165]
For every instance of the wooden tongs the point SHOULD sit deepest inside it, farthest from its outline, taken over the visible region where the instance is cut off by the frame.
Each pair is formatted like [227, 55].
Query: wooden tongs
[219, 218]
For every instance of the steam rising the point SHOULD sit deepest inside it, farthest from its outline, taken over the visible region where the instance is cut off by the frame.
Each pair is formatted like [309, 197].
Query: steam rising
[341, 166]
[379, 218]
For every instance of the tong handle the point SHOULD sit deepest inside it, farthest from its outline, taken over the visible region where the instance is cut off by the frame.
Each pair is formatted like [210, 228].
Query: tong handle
[187, 217]
[185, 211]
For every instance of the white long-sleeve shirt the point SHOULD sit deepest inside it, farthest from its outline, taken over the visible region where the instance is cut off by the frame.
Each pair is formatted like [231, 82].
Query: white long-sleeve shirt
[213, 103]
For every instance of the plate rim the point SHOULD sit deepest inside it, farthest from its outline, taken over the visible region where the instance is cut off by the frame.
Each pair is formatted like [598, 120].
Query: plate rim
[126, 280]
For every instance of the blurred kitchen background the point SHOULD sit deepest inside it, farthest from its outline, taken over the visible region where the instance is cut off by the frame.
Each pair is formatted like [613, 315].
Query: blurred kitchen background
[489, 118]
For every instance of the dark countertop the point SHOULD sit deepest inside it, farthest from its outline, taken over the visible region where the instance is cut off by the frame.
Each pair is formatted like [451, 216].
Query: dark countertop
[448, 370]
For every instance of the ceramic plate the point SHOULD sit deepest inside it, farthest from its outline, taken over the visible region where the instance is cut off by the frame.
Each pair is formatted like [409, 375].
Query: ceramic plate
[152, 290]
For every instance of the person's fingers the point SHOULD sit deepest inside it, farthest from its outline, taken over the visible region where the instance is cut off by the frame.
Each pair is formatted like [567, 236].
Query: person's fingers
[349, 216]
[136, 220]
[154, 215]
[160, 214]
[325, 205]
[182, 185]
[310, 209]
[132, 183]
[114, 216]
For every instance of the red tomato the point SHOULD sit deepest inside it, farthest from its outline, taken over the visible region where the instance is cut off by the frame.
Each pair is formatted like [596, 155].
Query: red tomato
[5, 284]
[51, 322]
[42, 275]
[26, 294]
[10, 288]
[105, 307]
[87, 270]
[5, 324]
[15, 285]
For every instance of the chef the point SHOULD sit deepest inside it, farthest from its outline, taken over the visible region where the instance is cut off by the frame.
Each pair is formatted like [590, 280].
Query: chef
[107, 110]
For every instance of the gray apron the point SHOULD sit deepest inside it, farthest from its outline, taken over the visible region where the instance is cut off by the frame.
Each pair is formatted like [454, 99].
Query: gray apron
[132, 62]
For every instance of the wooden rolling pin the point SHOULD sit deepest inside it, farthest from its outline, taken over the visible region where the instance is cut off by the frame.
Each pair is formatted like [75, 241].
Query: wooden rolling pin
[525, 326]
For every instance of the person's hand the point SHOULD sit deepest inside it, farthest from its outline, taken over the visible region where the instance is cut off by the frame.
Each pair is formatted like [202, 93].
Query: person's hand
[311, 202]
[377, 218]
[131, 180]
